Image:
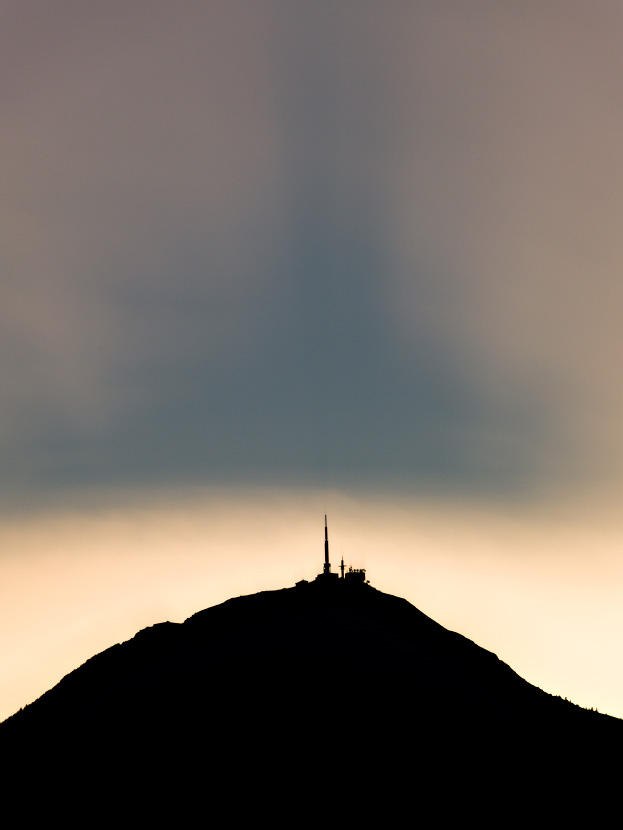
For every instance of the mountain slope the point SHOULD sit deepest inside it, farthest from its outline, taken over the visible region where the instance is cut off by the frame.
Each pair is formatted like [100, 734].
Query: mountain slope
[280, 685]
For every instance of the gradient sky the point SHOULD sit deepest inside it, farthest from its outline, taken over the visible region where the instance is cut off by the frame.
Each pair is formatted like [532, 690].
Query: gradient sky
[263, 261]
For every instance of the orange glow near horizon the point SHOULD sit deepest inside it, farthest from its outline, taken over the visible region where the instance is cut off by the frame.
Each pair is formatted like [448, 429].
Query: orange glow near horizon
[541, 592]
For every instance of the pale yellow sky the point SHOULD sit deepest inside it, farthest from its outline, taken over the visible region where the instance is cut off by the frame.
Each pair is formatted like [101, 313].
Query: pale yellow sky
[539, 588]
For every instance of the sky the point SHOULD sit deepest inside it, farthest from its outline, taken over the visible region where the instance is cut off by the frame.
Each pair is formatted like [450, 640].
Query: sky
[267, 261]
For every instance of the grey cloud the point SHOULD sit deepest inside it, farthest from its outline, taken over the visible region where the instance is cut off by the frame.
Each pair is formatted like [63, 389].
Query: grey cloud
[332, 242]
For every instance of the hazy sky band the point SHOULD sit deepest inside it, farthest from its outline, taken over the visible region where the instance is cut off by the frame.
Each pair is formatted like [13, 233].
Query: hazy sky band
[329, 241]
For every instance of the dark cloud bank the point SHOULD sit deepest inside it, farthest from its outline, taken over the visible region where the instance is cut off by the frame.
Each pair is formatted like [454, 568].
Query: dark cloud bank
[240, 303]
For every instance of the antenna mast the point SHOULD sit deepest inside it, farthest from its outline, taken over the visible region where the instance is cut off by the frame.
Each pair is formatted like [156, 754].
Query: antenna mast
[327, 566]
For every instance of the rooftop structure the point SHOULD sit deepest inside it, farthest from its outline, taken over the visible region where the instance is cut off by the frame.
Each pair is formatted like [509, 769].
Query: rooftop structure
[351, 576]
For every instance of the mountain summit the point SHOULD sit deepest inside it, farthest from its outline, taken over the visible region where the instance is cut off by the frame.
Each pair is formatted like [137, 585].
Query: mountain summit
[285, 685]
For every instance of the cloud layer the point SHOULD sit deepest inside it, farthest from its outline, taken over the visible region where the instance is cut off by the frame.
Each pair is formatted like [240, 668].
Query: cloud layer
[326, 242]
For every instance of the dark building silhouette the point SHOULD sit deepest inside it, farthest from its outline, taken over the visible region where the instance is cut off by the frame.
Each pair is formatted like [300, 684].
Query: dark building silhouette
[353, 576]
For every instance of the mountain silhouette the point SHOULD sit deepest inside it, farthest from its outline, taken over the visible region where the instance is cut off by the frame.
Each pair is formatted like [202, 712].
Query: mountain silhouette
[328, 686]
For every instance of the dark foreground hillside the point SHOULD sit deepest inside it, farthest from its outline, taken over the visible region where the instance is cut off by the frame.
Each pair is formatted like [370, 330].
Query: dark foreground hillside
[308, 697]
